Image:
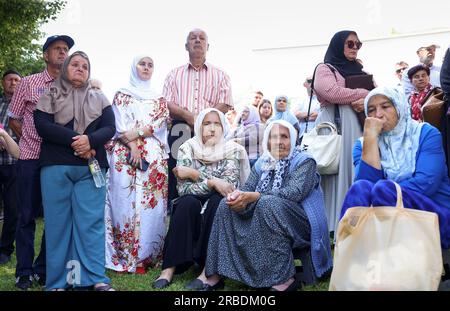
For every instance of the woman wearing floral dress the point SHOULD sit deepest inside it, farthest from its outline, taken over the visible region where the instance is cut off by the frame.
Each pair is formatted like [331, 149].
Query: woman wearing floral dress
[137, 181]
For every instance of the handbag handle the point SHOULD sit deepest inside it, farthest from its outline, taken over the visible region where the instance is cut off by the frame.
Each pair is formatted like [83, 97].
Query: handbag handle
[337, 117]
[349, 228]
[329, 125]
[399, 204]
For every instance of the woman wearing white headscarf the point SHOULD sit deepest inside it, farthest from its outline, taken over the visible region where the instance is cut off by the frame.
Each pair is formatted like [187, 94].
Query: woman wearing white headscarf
[249, 133]
[394, 147]
[208, 168]
[137, 185]
[279, 208]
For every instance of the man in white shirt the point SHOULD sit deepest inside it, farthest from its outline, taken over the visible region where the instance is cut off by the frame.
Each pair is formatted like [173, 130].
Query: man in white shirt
[426, 56]
[301, 110]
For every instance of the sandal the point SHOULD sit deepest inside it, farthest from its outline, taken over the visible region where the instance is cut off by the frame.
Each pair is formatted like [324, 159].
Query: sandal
[104, 288]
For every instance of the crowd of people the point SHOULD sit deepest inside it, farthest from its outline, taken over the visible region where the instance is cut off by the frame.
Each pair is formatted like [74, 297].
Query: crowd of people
[181, 177]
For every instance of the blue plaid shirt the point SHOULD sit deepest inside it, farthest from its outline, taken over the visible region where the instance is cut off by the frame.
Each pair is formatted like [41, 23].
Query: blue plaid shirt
[5, 158]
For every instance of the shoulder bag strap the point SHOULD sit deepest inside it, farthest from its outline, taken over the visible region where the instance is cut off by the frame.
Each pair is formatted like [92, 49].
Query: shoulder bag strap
[337, 115]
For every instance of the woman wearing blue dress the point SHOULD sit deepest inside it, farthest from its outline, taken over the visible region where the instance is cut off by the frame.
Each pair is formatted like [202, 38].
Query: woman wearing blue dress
[394, 147]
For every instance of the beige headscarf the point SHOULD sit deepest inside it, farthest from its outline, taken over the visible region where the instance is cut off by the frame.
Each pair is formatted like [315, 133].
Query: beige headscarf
[221, 150]
[65, 102]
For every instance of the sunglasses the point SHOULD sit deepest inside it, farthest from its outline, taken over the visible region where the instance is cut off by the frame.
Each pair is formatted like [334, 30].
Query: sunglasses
[351, 44]
[400, 70]
[309, 81]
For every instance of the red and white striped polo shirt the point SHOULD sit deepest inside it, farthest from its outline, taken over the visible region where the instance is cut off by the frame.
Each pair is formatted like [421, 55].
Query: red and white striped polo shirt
[196, 89]
[22, 106]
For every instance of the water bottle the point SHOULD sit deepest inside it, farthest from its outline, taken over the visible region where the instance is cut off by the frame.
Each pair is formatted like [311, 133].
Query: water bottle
[96, 172]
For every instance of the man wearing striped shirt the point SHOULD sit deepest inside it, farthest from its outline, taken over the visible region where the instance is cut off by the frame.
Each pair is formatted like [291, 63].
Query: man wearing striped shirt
[23, 104]
[188, 90]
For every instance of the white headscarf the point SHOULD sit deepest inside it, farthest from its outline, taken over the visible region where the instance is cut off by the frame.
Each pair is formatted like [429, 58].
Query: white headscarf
[399, 146]
[221, 150]
[265, 142]
[138, 88]
[271, 167]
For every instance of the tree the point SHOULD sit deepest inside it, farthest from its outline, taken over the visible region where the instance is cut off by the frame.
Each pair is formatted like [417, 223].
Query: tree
[20, 21]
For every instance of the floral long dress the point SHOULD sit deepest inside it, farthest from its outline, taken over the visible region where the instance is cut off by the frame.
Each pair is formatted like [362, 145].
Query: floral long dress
[136, 200]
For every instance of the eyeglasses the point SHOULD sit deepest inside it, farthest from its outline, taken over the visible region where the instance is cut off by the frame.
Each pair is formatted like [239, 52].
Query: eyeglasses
[401, 69]
[428, 49]
[351, 44]
[309, 81]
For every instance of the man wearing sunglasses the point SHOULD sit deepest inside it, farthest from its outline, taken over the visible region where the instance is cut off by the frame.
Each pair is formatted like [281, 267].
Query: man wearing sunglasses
[400, 67]
[426, 56]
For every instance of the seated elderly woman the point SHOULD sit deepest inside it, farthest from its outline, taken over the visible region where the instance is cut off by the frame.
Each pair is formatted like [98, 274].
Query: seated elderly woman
[208, 168]
[74, 122]
[420, 78]
[279, 208]
[396, 148]
[281, 112]
[249, 133]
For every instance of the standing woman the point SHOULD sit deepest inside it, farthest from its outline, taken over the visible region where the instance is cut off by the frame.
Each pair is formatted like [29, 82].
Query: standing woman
[74, 122]
[137, 188]
[265, 111]
[329, 86]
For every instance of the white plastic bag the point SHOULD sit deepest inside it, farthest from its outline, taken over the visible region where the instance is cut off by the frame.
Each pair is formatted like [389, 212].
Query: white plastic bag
[387, 248]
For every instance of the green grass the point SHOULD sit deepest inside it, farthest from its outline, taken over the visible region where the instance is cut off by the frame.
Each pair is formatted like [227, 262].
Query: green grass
[129, 282]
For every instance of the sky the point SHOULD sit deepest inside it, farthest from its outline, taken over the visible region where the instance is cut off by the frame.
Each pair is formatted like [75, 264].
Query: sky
[112, 32]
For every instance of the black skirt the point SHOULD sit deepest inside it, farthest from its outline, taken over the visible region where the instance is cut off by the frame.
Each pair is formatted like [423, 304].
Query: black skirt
[187, 239]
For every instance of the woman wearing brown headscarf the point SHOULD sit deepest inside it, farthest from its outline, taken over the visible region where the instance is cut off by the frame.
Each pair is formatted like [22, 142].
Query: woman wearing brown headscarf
[74, 122]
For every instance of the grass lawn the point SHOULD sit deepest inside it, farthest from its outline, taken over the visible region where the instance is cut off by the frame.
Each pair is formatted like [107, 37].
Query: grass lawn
[129, 282]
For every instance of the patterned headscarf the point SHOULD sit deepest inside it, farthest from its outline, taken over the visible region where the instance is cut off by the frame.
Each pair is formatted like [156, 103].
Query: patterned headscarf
[138, 88]
[272, 167]
[399, 146]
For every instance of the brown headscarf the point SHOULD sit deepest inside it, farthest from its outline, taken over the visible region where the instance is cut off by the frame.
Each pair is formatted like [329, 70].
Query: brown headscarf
[66, 102]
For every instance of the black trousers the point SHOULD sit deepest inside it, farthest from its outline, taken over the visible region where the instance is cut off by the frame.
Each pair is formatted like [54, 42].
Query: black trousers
[178, 134]
[9, 198]
[187, 239]
[29, 205]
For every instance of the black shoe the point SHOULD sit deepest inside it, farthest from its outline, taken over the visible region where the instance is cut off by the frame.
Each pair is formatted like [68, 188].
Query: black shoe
[161, 283]
[40, 279]
[209, 288]
[24, 282]
[4, 258]
[195, 284]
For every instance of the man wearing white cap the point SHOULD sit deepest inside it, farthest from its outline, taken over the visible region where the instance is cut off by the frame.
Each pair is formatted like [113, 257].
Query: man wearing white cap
[426, 56]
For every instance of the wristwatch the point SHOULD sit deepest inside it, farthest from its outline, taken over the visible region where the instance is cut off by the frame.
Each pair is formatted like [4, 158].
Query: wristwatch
[141, 133]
